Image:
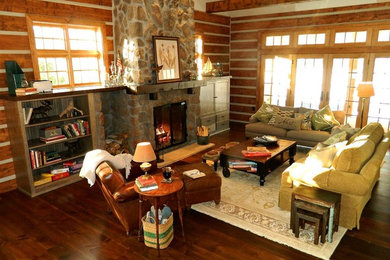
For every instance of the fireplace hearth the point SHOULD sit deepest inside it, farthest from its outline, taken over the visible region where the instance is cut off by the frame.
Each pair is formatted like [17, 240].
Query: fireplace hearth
[170, 125]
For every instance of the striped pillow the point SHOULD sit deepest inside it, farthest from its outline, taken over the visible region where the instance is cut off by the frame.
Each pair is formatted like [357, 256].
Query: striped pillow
[306, 119]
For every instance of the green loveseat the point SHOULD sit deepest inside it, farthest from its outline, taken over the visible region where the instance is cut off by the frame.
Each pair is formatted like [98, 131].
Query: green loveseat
[353, 172]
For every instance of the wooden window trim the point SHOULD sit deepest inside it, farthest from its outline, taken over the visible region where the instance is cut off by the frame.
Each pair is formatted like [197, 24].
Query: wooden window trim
[67, 23]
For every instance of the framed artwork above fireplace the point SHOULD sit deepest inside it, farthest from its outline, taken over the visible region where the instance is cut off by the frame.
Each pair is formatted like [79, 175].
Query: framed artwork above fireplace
[166, 54]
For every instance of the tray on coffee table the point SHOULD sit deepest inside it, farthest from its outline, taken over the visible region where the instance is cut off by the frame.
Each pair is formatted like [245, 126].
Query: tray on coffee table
[281, 152]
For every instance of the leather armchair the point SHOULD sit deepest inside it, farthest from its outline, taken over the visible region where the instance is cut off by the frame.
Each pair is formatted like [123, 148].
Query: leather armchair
[119, 194]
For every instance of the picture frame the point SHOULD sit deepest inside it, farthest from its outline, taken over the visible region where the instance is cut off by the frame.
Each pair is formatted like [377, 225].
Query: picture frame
[166, 54]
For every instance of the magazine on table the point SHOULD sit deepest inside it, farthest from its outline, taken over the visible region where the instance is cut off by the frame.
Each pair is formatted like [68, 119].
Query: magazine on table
[194, 174]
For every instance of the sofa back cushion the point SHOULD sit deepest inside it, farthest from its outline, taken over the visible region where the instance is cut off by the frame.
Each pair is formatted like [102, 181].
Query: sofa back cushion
[286, 122]
[264, 113]
[324, 119]
[354, 156]
[372, 131]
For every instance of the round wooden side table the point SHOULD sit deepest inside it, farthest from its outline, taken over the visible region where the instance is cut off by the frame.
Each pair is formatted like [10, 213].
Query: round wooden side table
[165, 192]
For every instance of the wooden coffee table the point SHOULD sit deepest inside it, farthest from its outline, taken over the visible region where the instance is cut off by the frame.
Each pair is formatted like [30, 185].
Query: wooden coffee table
[283, 151]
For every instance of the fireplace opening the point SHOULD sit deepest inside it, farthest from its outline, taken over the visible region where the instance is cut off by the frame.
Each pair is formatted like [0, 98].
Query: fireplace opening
[170, 125]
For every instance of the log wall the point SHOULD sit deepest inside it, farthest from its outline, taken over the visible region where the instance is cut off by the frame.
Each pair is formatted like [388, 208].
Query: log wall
[14, 45]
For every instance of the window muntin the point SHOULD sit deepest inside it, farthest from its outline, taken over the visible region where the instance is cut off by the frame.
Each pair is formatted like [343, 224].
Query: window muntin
[277, 77]
[85, 70]
[350, 37]
[311, 39]
[49, 37]
[54, 69]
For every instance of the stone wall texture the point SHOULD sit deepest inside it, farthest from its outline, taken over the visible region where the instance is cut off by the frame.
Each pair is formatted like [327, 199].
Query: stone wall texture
[133, 114]
[136, 21]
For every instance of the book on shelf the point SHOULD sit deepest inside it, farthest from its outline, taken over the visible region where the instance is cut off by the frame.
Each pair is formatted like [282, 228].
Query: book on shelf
[27, 113]
[146, 183]
[42, 180]
[194, 173]
[25, 91]
[61, 175]
[247, 153]
[53, 139]
[59, 170]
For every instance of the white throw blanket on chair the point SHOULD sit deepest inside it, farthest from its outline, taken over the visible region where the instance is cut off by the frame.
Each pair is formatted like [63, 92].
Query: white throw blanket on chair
[94, 158]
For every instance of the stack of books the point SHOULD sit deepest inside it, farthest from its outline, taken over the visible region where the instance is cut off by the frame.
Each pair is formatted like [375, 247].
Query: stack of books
[243, 165]
[25, 91]
[53, 139]
[146, 183]
[40, 158]
[254, 151]
[59, 173]
[74, 166]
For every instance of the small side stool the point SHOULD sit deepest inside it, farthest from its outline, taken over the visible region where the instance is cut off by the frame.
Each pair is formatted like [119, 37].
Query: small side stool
[322, 198]
[302, 212]
[212, 155]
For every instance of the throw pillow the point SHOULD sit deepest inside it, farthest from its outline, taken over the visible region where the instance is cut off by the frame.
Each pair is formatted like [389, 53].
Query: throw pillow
[324, 119]
[306, 119]
[346, 128]
[264, 113]
[339, 137]
[281, 113]
[322, 157]
[286, 122]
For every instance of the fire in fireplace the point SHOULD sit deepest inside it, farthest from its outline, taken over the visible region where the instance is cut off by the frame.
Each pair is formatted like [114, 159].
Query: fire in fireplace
[170, 125]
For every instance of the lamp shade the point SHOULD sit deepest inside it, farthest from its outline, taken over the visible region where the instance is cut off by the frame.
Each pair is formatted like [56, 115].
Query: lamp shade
[365, 89]
[144, 152]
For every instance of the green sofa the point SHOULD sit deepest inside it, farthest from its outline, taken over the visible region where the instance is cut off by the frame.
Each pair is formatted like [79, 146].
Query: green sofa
[353, 172]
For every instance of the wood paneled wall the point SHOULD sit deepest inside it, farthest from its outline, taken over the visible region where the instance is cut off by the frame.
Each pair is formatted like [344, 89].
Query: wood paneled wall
[14, 45]
[215, 32]
[244, 58]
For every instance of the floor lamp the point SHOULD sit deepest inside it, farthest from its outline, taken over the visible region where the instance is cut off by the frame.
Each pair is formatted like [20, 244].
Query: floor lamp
[365, 90]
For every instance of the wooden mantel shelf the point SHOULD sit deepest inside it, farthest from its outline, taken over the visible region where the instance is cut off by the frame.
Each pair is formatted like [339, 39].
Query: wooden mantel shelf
[156, 88]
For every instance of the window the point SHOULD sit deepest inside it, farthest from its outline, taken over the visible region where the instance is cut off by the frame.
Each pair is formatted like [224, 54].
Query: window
[384, 35]
[312, 38]
[350, 37]
[68, 55]
[279, 40]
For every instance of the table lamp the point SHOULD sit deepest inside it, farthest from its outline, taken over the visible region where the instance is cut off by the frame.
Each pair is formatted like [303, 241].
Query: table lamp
[144, 154]
[365, 90]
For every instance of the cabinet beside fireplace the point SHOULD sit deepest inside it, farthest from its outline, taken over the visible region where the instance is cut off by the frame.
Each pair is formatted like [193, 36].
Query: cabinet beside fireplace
[215, 104]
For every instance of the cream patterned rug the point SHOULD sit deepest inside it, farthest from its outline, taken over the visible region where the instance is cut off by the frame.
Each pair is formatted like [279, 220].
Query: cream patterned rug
[247, 205]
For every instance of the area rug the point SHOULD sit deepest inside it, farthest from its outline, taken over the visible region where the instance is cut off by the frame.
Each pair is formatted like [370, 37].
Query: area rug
[247, 205]
[183, 152]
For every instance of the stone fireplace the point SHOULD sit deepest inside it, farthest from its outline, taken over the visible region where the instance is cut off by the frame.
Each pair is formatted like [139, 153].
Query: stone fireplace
[135, 22]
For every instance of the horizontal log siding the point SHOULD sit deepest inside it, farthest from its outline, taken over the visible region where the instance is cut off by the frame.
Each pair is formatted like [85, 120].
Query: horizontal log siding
[14, 45]
[244, 58]
[215, 31]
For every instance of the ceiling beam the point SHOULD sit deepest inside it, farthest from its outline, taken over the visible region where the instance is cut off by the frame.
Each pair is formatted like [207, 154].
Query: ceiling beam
[231, 5]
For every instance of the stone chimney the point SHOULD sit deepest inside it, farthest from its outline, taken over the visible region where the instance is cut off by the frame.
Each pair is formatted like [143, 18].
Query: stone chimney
[136, 21]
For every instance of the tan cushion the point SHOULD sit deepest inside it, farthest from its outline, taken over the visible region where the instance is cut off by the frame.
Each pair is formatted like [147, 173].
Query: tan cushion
[339, 137]
[265, 129]
[372, 131]
[313, 136]
[286, 122]
[354, 156]
[321, 157]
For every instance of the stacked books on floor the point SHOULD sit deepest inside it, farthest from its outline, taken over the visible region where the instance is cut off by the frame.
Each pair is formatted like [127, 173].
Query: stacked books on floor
[77, 128]
[68, 168]
[146, 183]
[243, 165]
[40, 158]
[254, 151]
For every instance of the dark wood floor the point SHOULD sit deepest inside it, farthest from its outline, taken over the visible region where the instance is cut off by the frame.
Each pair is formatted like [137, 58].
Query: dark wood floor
[71, 223]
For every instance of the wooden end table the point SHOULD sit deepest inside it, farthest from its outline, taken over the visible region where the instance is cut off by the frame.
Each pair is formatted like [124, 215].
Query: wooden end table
[283, 151]
[165, 192]
[319, 197]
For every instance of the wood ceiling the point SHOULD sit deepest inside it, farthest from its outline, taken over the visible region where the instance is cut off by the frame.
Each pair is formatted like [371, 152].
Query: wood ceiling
[232, 5]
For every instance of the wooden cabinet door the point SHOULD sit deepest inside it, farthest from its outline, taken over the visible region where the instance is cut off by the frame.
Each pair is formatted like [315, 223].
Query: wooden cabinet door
[221, 97]
[207, 99]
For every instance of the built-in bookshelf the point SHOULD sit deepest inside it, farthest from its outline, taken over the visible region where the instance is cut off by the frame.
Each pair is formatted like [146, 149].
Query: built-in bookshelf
[35, 158]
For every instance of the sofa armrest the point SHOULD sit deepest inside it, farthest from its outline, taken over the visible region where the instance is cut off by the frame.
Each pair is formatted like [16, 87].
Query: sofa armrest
[252, 119]
[346, 182]
[125, 193]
